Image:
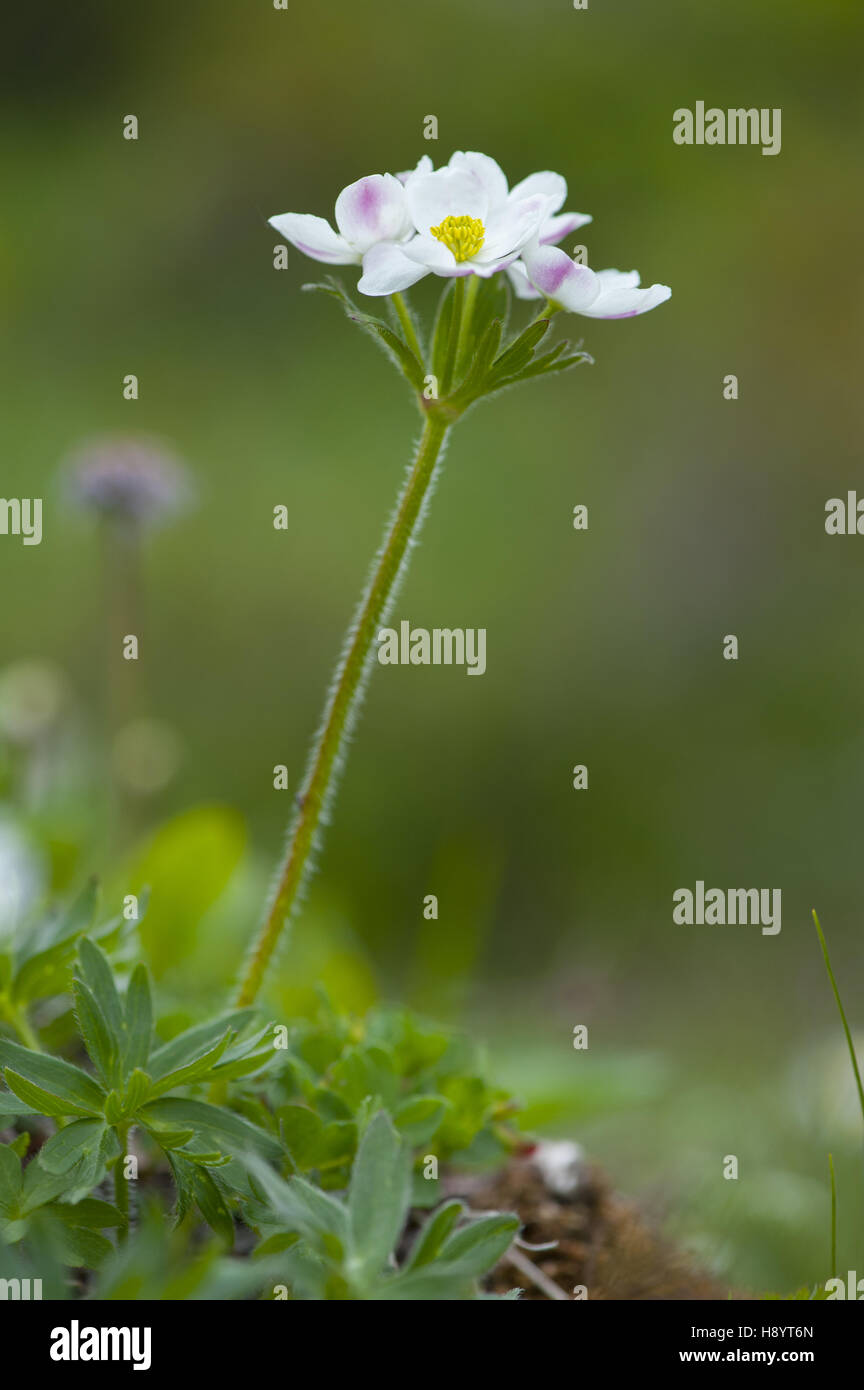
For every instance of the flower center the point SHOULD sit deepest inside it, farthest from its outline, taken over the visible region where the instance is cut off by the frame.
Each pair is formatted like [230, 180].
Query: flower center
[463, 235]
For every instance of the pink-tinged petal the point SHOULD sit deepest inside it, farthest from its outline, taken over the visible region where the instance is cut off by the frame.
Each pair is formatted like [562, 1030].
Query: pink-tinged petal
[555, 228]
[424, 165]
[387, 270]
[552, 272]
[547, 184]
[522, 287]
[372, 209]
[511, 228]
[445, 193]
[314, 237]
[620, 297]
[486, 171]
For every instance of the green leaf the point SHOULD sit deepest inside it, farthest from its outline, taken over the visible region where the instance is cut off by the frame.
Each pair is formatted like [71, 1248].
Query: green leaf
[93, 1028]
[417, 1119]
[67, 1082]
[475, 380]
[193, 1071]
[41, 1102]
[95, 971]
[43, 963]
[10, 1177]
[232, 1134]
[442, 330]
[480, 1245]
[363, 1072]
[434, 1233]
[520, 351]
[138, 1088]
[40, 1187]
[212, 1205]
[69, 1145]
[82, 1247]
[91, 1212]
[195, 1042]
[314, 1144]
[379, 1194]
[13, 1105]
[137, 1021]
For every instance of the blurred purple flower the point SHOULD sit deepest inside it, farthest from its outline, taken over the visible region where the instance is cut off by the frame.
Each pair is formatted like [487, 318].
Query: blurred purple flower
[128, 479]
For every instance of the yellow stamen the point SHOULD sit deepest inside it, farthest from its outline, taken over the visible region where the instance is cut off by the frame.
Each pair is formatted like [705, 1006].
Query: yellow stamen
[463, 235]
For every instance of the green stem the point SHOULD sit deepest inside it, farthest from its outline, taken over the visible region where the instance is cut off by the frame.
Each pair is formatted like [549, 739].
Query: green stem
[400, 304]
[121, 1182]
[455, 334]
[549, 308]
[20, 1022]
[833, 1219]
[846, 1029]
[346, 694]
[467, 316]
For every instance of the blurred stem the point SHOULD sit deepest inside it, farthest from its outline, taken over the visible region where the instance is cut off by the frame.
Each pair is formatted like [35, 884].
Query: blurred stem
[400, 304]
[20, 1022]
[121, 1182]
[346, 692]
[833, 1219]
[846, 1029]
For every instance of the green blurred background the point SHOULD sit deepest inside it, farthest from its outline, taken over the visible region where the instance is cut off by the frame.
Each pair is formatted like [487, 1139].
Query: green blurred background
[604, 647]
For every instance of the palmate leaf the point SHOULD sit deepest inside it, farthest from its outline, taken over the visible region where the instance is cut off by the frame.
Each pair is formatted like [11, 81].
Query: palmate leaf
[397, 350]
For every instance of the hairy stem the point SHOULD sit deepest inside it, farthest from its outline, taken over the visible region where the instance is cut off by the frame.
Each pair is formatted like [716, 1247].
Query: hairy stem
[345, 697]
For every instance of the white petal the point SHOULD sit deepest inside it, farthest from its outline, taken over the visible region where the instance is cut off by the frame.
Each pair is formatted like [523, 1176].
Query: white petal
[522, 287]
[387, 270]
[555, 228]
[552, 272]
[314, 237]
[552, 186]
[446, 193]
[511, 228]
[618, 279]
[424, 165]
[372, 209]
[619, 297]
[432, 254]
[486, 171]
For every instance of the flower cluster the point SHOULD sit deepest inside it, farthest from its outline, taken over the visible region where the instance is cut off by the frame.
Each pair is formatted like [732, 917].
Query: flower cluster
[461, 220]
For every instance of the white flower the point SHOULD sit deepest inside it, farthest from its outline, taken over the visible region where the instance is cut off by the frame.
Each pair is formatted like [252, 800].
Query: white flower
[468, 222]
[368, 212]
[598, 294]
